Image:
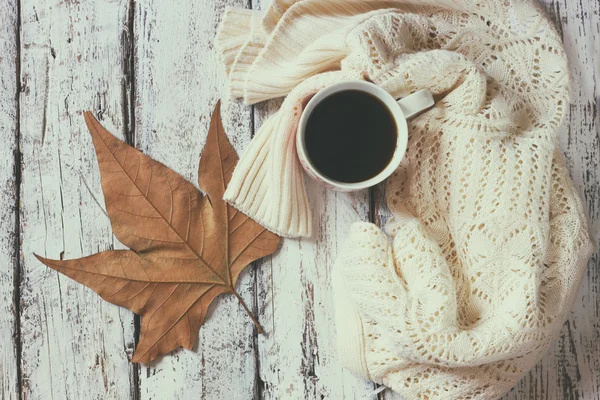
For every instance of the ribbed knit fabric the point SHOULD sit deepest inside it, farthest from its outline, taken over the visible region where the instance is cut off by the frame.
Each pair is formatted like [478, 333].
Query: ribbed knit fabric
[489, 237]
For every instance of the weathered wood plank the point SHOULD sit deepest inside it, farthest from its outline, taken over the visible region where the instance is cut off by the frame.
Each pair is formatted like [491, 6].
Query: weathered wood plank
[8, 200]
[178, 81]
[571, 369]
[74, 345]
[297, 355]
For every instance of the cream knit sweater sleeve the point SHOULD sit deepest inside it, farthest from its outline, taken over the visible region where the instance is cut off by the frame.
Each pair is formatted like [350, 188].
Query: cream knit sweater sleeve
[489, 238]
[268, 60]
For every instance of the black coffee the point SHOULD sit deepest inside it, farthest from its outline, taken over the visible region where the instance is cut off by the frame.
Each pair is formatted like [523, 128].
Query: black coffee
[350, 136]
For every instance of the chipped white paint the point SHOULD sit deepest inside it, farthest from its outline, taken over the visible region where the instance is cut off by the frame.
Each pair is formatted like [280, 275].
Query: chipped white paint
[8, 191]
[74, 345]
[297, 356]
[148, 70]
[178, 81]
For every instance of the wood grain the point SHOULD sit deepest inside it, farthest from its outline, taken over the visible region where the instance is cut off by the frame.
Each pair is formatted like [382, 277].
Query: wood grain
[74, 345]
[297, 356]
[178, 80]
[148, 70]
[9, 349]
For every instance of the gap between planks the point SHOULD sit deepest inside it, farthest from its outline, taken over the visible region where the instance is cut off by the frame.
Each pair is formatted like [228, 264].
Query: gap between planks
[17, 230]
[128, 103]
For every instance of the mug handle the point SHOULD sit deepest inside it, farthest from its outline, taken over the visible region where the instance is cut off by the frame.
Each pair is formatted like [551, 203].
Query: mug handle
[416, 103]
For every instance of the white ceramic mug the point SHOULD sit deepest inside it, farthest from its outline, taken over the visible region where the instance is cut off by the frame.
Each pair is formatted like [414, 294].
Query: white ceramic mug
[401, 110]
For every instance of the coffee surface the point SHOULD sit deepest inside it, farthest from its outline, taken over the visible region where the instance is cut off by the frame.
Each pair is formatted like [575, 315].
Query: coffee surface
[350, 136]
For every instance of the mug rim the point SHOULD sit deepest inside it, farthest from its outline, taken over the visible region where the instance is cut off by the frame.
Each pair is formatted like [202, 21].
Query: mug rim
[393, 107]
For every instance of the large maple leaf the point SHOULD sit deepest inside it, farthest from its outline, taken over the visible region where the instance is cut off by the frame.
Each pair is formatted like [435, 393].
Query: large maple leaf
[186, 248]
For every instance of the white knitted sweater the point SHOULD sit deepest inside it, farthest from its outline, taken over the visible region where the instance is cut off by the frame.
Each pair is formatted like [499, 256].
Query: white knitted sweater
[489, 235]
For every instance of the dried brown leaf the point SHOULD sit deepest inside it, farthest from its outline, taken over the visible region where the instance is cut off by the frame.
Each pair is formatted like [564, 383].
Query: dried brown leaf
[186, 248]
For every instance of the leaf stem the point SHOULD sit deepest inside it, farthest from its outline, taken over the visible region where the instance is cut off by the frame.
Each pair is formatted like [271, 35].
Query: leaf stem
[254, 320]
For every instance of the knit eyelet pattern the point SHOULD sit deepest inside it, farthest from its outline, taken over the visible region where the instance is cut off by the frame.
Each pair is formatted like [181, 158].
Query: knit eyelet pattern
[482, 259]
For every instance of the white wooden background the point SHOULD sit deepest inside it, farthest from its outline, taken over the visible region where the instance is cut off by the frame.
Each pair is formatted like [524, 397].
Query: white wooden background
[148, 70]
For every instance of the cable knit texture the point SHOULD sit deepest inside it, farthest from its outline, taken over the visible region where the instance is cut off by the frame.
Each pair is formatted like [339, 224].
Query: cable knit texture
[489, 238]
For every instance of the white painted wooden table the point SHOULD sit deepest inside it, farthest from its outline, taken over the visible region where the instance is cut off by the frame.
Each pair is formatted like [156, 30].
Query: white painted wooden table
[148, 70]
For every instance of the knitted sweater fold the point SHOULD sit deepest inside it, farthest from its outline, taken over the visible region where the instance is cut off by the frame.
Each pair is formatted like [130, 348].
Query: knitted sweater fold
[489, 239]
